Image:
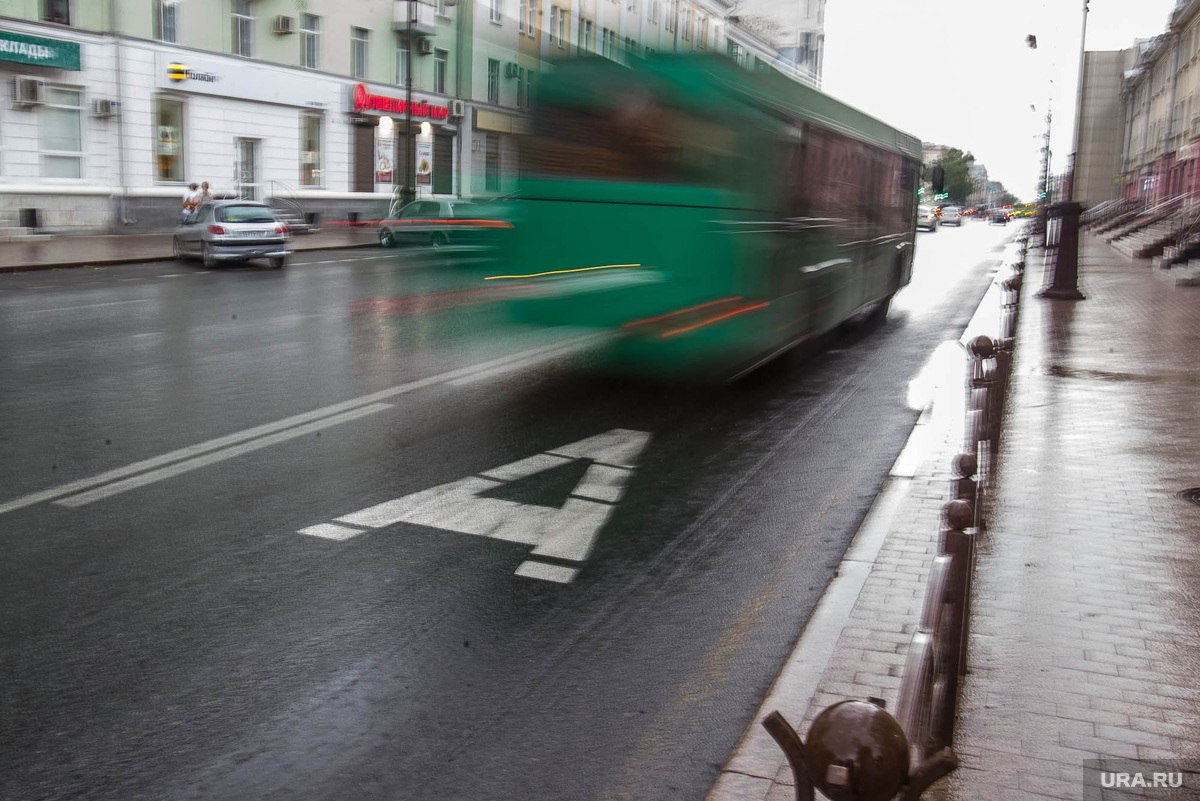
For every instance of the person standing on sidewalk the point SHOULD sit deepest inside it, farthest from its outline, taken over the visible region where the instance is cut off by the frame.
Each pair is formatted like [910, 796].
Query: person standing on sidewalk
[205, 195]
[191, 199]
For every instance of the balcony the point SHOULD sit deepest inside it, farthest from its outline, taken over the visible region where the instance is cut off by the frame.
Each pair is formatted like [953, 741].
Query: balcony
[424, 17]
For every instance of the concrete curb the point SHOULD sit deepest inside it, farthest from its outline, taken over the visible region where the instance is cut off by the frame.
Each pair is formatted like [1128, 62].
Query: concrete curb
[757, 764]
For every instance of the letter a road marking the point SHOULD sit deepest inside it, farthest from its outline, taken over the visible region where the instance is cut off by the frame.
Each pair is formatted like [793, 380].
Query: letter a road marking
[564, 534]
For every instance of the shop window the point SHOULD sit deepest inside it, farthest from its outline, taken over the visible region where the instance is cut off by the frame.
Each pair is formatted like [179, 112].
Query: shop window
[243, 28]
[168, 120]
[491, 164]
[56, 11]
[60, 123]
[310, 150]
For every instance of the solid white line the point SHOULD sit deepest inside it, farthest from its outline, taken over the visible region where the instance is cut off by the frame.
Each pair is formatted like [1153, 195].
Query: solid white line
[258, 431]
[219, 456]
[74, 308]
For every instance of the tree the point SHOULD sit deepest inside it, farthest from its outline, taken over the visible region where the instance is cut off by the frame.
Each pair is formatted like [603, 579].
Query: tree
[956, 166]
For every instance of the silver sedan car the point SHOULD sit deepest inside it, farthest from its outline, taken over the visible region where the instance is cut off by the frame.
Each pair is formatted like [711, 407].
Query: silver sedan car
[233, 230]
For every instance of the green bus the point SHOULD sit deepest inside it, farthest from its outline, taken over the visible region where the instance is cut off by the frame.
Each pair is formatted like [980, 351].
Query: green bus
[707, 217]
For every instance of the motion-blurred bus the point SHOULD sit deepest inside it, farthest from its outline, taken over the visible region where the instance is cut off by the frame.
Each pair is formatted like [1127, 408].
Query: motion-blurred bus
[708, 217]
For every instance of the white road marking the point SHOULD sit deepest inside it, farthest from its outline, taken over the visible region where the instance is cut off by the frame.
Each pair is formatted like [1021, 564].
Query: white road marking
[545, 572]
[568, 533]
[532, 355]
[329, 531]
[218, 456]
[75, 308]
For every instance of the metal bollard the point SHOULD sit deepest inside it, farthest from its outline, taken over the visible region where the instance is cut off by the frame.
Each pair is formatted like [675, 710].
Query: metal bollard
[957, 540]
[856, 751]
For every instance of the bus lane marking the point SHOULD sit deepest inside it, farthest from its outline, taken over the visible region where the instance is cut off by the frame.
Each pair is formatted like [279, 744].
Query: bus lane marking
[563, 533]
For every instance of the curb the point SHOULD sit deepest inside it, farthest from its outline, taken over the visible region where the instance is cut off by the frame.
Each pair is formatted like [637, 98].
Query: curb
[757, 763]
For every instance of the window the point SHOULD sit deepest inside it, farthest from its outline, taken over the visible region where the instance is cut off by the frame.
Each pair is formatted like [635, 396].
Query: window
[672, 15]
[168, 120]
[522, 13]
[587, 35]
[310, 150]
[441, 9]
[310, 41]
[520, 87]
[441, 58]
[61, 133]
[630, 49]
[166, 20]
[652, 12]
[685, 25]
[559, 18]
[702, 32]
[608, 43]
[358, 52]
[496, 11]
[531, 21]
[243, 28]
[402, 63]
[493, 86]
[56, 11]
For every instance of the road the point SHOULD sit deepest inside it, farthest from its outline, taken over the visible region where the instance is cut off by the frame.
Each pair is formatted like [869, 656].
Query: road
[242, 515]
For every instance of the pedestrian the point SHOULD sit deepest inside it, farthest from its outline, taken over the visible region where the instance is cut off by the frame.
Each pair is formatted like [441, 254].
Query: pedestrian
[191, 199]
[205, 195]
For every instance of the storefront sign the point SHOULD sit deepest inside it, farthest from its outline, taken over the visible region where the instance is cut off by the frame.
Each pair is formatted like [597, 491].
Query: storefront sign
[38, 51]
[364, 101]
[242, 81]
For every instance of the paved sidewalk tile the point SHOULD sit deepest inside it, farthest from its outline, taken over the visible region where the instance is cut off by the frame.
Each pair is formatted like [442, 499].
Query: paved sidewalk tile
[1087, 616]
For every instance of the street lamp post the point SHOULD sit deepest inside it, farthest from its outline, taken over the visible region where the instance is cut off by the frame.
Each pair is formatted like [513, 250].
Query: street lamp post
[1063, 283]
[408, 192]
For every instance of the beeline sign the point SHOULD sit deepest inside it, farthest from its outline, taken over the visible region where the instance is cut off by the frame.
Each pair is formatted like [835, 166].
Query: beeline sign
[365, 101]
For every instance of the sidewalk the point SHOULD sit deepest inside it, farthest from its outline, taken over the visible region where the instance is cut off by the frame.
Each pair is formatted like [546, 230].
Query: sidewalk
[1085, 640]
[44, 252]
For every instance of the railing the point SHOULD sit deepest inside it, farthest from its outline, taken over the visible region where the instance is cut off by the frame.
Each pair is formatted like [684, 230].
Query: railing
[912, 750]
[282, 199]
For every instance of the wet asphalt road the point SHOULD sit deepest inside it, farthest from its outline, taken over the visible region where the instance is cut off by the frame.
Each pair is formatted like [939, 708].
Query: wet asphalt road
[169, 633]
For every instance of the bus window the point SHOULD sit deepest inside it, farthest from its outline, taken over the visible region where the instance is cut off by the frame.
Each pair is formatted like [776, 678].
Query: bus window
[638, 139]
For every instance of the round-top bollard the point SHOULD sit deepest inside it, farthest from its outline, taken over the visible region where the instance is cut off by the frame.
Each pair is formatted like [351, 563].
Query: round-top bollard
[981, 347]
[856, 751]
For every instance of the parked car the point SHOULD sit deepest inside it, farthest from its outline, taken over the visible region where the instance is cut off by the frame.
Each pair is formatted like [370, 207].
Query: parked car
[927, 219]
[437, 222]
[951, 215]
[233, 230]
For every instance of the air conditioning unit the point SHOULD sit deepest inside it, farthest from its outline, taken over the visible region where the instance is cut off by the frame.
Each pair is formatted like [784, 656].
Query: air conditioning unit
[511, 70]
[103, 107]
[28, 92]
[285, 24]
[424, 47]
[457, 108]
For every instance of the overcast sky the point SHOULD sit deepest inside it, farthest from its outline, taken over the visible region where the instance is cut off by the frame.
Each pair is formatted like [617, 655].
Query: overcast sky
[960, 73]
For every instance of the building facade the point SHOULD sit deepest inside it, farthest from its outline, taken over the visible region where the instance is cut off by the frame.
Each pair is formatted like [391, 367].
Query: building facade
[336, 107]
[1159, 114]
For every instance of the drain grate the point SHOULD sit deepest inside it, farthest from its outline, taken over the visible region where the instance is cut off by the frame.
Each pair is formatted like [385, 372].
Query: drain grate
[1191, 495]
